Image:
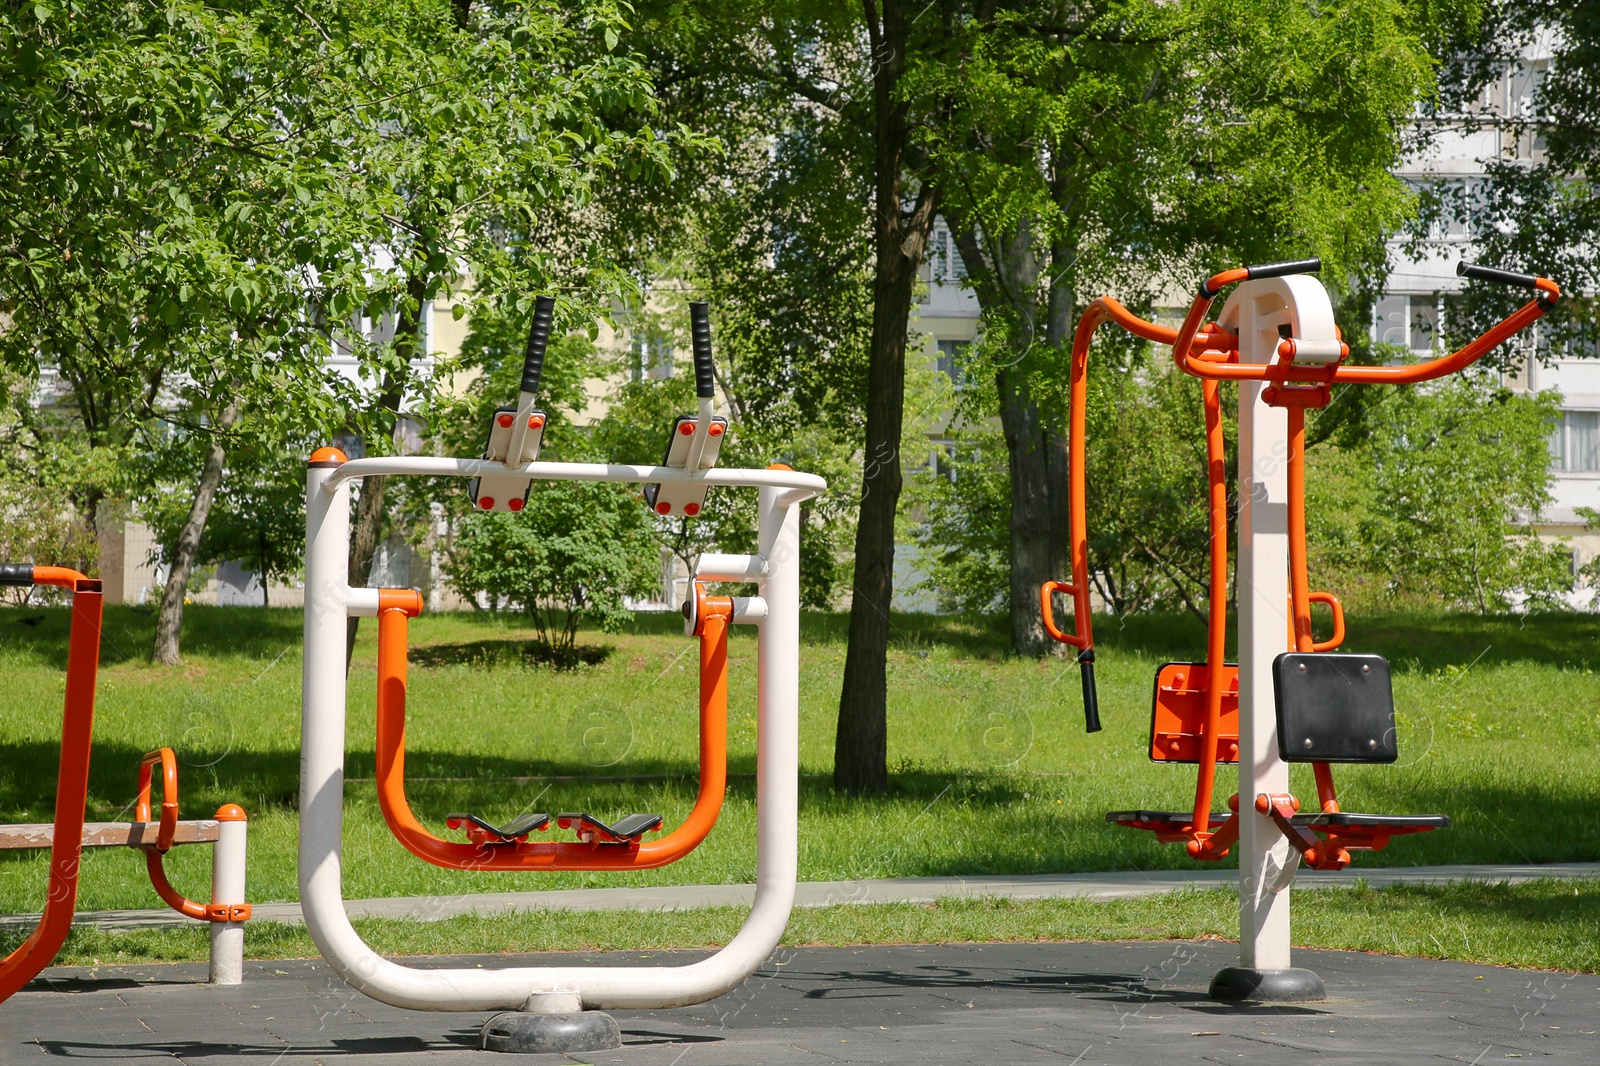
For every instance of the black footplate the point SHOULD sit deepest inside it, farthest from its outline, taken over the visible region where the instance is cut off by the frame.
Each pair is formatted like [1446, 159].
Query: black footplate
[625, 830]
[516, 829]
[1372, 821]
[1152, 819]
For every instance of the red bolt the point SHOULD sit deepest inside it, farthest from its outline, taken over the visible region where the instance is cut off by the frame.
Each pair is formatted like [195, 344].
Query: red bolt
[515, 505]
[486, 502]
[691, 509]
[663, 508]
[686, 428]
[535, 421]
[716, 429]
[505, 421]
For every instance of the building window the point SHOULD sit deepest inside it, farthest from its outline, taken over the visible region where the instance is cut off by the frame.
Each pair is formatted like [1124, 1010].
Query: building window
[948, 361]
[945, 266]
[1575, 442]
[1410, 322]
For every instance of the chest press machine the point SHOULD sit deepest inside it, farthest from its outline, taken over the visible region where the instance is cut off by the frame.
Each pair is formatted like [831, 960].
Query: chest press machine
[1290, 698]
[550, 1009]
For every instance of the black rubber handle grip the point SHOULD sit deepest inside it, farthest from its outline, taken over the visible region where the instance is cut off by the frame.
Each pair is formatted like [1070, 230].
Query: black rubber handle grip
[705, 381]
[1499, 277]
[1278, 270]
[16, 575]
[1091, 701]
[538, 341]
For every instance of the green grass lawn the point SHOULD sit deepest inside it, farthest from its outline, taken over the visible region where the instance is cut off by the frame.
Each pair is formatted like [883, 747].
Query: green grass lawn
[992, 771]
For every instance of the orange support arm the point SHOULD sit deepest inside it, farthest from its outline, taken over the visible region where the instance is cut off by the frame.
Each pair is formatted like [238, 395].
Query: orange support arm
[394, 611]
[1098, 313]
[72, 782]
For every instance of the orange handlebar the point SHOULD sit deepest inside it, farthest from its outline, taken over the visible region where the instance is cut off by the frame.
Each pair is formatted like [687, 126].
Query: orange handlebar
[1047, 611]
[1338, 621]
[169, 795]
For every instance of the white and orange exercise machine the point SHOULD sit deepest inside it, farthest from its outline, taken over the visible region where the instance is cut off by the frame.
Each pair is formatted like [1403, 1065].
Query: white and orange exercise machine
[556, 1008]
[1290, 698]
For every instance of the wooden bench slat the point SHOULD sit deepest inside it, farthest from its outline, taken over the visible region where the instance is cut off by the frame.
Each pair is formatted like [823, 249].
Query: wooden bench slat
[108, 834]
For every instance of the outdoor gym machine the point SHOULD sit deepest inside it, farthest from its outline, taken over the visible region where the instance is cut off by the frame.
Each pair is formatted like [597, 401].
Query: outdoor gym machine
[1290, 698]
[67, 835]
[556, 1008]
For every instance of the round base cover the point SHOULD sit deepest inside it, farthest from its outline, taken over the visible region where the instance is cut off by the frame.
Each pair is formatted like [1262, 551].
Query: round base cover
[1239, 984]
[536, 1034]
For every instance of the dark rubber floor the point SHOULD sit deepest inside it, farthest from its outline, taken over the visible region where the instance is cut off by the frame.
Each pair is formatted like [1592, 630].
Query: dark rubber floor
[1135, 1003]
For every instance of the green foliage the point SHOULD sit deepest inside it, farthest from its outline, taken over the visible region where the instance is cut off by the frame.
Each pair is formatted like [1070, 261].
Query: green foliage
[570, 556]
[1435, 503]
[963, 542]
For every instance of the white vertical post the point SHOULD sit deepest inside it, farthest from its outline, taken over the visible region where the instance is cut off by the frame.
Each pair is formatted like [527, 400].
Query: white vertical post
[1263, 627]
[227, 887]
[1257, 311]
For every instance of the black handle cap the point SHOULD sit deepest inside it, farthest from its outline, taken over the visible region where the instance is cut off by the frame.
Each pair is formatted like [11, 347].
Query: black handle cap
[538, 341]
[1091, 701]
[705, 382]
[16, 575]
[1496, 275]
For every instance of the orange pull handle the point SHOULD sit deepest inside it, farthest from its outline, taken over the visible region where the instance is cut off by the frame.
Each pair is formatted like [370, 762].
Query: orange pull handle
[1047, 611]
[1338, 621]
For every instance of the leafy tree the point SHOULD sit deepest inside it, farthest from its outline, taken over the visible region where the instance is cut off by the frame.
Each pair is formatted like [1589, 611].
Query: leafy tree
[572, 555]
[1081, 148]
[1436, 500]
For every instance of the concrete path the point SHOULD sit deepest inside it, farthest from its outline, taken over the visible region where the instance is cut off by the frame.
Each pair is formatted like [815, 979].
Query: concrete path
[1126, 884]
[1076, 1004]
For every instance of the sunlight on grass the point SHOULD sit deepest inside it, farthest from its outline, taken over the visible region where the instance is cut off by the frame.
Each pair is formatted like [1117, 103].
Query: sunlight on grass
[992, 771]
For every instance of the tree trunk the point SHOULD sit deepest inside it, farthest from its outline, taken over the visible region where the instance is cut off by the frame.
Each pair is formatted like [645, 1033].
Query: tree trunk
[169, 619]
[860, 753]
[367, 526]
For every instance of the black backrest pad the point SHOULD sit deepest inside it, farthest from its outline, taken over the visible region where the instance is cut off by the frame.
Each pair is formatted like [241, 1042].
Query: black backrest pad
[1334, 708]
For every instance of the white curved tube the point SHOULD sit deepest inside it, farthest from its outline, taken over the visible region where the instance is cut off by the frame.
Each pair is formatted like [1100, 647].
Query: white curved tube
[322, 777]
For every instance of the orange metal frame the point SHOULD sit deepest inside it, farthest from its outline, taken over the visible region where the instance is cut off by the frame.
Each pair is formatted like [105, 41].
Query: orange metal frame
[396, 608]
[204, 912]
[72, 781]
[1206, 351]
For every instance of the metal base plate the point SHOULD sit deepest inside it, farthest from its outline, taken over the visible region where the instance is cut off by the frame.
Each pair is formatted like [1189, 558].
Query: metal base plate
[1239, 984]
[543, 1034]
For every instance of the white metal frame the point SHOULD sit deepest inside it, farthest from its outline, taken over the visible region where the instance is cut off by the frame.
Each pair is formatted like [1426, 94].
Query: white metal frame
[1267, 863]
[330, 600]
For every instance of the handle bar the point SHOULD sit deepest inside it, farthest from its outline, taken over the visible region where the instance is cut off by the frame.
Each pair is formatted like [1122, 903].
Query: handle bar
[538, 340]
[700, 338]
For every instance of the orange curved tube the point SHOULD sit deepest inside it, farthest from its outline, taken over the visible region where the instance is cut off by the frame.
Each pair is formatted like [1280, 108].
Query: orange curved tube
[393, 623]
[169, 795]
[72, 784]
[153, 862]
[1338, 621]
[1098, 313]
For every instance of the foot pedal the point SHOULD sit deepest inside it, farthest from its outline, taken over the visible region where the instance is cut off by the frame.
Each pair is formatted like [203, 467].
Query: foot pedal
[626, 830]
[480, 831]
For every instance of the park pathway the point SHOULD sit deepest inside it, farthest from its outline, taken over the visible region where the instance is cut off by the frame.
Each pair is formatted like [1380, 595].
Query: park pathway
[1122, 884]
